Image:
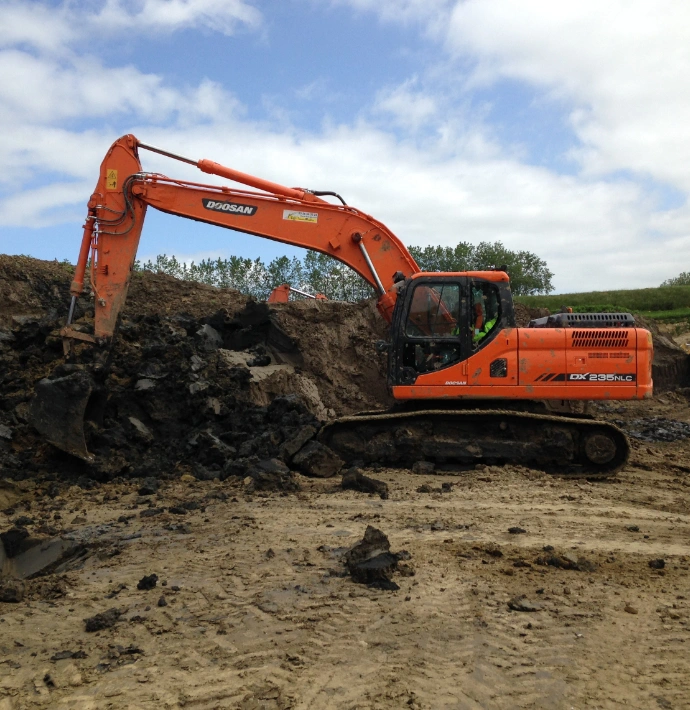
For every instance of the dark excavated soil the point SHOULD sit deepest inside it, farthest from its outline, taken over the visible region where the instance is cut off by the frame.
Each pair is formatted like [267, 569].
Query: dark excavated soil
[200, 381]
[656, 429]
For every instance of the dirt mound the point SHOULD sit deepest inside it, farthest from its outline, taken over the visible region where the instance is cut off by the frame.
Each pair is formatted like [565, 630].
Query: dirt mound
[31, 288]
[201, 380]
[335, 342]
[524, 314]
[671, 366]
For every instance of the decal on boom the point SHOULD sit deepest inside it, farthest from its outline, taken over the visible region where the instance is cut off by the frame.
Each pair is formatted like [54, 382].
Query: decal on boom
[231, 207]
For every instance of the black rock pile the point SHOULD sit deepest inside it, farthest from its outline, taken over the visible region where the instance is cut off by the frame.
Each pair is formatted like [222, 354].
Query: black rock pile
[656, 429]
[170, 402]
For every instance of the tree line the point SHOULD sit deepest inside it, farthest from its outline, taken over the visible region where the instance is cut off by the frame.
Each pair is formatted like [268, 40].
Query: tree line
[683, 279]
[320, 273]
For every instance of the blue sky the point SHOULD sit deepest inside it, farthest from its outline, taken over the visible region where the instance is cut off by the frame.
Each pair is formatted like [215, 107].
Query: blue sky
[553, 127]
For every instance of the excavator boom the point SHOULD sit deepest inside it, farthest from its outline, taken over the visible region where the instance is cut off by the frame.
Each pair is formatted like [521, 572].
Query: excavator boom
[296, 216]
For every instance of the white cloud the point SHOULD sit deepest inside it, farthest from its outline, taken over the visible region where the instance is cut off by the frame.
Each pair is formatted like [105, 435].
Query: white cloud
[219, 15]
[36, 25]
[46, 84]
[431, 12]
[622, 64]
[46, 95]
[45, 206]
[409, 108]
[49, 91]
[31, 23]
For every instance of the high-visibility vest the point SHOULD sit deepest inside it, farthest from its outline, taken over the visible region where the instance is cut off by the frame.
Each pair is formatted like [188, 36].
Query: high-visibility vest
[484, 331]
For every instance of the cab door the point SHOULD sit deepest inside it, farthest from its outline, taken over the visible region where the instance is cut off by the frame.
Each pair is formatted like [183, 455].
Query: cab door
[429, 328]
[493, 357]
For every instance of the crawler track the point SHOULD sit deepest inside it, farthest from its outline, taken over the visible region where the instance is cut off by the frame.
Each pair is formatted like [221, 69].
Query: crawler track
[560, 445]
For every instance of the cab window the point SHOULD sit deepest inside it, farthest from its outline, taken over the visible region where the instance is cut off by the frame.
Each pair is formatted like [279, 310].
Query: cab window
[434, 311]
[433, 327]
[485, 313]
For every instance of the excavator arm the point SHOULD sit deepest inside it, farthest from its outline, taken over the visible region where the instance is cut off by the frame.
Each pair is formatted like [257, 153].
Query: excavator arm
[117, 209]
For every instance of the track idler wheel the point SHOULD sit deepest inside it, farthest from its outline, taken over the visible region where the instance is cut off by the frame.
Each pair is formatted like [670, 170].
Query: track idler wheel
[599, 448]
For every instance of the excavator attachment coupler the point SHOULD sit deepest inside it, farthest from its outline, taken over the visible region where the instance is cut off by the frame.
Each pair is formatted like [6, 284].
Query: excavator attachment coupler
[59, 409]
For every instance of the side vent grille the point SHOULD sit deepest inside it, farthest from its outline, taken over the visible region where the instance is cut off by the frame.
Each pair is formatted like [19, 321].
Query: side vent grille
[606, 356]
[499, 367]
[599, 339]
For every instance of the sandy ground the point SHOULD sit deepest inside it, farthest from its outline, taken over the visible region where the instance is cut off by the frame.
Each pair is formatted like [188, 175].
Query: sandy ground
[261, 615]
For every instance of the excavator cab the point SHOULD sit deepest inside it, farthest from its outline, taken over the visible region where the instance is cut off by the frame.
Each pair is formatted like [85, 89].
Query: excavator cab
[441, 320]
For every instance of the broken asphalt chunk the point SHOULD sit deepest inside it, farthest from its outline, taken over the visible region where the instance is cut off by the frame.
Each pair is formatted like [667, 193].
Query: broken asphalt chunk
[149, 486]
[355, 480]
[150, 512]
[567, 561]
[149, 581]
[371, 562]
[521, 603]
[62, 655]
[318, 460]
[271, 475]
[104, 620]
[298, 440]
[11, 591]
[209, 338]
[14, 541]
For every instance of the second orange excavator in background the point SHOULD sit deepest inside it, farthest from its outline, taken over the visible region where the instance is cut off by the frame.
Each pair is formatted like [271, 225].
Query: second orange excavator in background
[281, 294]
[471, 386]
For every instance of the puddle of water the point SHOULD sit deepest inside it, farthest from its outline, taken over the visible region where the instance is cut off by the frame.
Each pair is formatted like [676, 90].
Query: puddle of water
[342, 533]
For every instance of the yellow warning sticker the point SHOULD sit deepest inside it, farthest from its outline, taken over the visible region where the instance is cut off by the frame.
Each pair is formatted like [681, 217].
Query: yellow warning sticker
[110, 179]
[295, 216]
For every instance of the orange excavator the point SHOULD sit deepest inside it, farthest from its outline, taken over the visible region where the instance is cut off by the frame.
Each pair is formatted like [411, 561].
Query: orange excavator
[471, 387]
[281, 294]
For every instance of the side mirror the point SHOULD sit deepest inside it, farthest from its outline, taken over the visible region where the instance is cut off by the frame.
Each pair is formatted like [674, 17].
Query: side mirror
[382, 346]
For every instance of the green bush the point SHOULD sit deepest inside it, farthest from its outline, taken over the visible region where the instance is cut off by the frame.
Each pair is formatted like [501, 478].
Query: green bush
[321, 273]
[683, 279]
[528, 273]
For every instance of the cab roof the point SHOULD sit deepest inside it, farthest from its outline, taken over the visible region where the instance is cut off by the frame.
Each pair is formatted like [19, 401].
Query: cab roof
[486, 275]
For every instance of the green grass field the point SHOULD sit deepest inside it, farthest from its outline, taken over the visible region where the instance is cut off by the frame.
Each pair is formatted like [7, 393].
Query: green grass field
[670, 303]
[674, 316]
